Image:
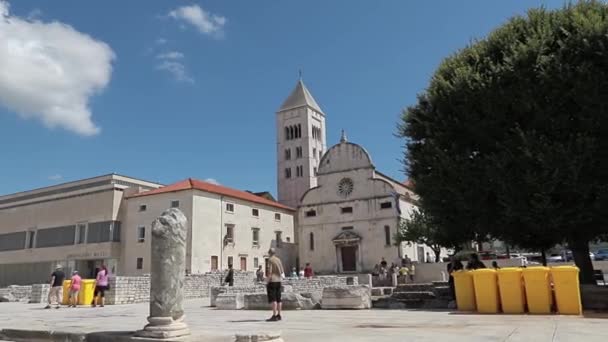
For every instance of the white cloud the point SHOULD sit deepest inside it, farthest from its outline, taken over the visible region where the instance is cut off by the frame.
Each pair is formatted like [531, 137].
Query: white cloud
[34, 14]
[161, 41]
[204, 21]
[171, 63]
[50, 71]
[170, 55]
[212, 181]
[56, 177]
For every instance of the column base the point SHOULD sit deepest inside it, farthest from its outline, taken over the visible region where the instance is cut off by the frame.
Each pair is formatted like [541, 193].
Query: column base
[165, 329]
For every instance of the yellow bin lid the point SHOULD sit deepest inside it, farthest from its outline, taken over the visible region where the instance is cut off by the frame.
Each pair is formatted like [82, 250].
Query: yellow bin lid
[565, 269]
[510, 270]
[536, 269]
[484, 270]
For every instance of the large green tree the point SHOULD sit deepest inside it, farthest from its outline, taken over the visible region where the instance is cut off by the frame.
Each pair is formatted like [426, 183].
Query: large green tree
[510, 139]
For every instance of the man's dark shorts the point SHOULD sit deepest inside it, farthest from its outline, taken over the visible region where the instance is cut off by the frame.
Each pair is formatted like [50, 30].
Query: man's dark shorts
[273, 290]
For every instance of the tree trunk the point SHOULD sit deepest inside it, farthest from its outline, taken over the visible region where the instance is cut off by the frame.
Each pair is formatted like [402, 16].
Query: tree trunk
[508, 251]
[479, 245]
[580, 254]
[437, 254]
[543, 257]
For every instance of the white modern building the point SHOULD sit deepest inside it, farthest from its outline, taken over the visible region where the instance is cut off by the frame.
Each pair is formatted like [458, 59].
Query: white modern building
[76, 224]
[225, 226]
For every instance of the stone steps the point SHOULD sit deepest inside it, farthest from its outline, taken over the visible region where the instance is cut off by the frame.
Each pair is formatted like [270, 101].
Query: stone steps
[382, 291]
[442, 292]
[414, 287]
[418, 295]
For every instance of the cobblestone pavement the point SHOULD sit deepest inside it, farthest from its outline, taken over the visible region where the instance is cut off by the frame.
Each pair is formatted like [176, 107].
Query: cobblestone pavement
[319, 325]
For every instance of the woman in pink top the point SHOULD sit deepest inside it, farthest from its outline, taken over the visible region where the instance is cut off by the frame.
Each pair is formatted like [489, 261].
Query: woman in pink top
[74, 289]
[101, 285]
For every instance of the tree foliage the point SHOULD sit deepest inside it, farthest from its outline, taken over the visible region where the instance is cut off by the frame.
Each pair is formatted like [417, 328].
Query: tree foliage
[510, 140]
[420, 228]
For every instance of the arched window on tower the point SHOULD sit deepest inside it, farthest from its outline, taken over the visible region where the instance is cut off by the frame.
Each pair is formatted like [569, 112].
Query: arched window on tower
[299, 131]
[312, 241]
[291, 132]
[286, 133]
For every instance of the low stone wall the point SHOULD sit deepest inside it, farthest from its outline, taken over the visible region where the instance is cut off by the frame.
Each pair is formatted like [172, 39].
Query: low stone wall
[40, 293]
[127, 290]
[16, 293]
[312, 286]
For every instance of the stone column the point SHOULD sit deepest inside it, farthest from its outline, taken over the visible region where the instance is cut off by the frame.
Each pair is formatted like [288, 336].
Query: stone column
[168, 263]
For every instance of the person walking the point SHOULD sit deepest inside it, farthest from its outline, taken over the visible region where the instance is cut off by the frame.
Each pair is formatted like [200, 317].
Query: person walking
[308, 272]
[453, 266]
[474, 262]
[74, 289]
[101, 286]
[230, 276]
[273, 288]
[260, 274]
[495, 265]
[56, 291]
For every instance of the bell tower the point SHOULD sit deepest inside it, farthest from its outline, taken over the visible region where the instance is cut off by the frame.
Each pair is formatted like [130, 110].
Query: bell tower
[300, 144]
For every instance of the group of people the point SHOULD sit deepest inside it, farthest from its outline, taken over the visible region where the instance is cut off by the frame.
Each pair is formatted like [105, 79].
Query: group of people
[384, 272]
[56, 287]
[456, 265]
[260, 275]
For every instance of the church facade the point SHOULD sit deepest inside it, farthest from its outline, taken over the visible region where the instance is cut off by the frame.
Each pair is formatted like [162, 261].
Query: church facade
[348, 213]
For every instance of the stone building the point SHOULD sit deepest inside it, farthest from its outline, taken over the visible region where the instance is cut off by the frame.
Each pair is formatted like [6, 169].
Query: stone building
[225, 226]
[348, 212]
[347, 222]
[76, 224]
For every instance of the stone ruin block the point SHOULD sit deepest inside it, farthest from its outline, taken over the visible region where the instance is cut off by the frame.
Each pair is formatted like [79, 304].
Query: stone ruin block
[346, 297]
[230, 301]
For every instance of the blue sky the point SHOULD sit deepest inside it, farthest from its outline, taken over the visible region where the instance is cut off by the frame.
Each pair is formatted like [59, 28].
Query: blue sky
[159, 92]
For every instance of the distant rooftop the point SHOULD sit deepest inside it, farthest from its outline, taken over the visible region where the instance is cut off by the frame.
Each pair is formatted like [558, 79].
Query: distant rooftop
[300, 97]
[195, 184]
[77, 185]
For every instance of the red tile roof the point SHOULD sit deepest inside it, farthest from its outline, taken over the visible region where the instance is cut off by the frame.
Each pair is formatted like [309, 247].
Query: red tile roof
[195, 184]
[409, 184]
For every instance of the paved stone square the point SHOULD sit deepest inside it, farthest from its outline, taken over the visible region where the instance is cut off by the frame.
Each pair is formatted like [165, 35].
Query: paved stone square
[209, 324]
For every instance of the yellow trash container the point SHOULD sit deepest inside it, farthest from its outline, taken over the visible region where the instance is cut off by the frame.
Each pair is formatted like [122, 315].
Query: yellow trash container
[486, 291]
[87, 289]
[465, 290]
[567, 290]
[538, 290]
[511, 289]
[66, 292]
